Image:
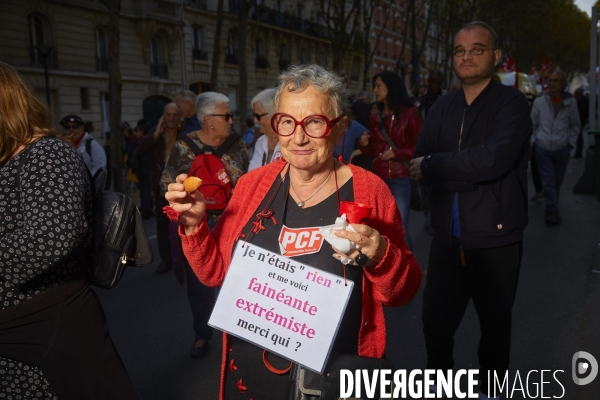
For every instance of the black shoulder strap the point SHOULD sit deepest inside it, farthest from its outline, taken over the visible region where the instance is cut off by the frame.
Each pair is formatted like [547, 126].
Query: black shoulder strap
[88, 146]
[222, 149]
[385, 134]
[193, 146]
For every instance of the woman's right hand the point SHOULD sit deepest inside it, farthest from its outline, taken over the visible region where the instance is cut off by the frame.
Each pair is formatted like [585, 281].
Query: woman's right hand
[364, 139]
[191, 206]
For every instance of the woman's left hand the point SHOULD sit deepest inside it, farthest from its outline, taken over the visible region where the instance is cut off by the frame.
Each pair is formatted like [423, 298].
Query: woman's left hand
[388, 155]
[368, 241]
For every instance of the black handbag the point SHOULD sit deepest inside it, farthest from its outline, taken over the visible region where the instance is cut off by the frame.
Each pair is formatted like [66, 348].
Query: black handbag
[419, 200]
[309, 385]
[118, 236]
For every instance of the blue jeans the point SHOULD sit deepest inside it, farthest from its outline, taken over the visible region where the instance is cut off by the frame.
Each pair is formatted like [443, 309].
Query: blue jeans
[552, 166]
[401, 190]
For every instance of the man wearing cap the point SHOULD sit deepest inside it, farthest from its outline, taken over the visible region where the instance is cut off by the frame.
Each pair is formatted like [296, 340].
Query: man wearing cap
[88, 148]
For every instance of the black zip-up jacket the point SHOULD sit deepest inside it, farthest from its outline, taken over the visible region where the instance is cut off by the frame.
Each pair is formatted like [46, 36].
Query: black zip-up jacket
[479, 151]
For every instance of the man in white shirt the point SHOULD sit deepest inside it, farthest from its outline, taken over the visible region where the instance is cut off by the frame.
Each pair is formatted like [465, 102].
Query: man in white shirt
[87, 147]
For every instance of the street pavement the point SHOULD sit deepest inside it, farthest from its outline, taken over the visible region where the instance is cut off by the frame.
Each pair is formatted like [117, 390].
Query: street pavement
[556, 313]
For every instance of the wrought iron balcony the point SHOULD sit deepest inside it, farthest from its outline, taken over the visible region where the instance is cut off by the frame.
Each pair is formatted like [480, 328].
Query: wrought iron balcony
[231, 58]
[37, 57]
[198, 54]
[159, 70]
[262, 62]
[102, 64]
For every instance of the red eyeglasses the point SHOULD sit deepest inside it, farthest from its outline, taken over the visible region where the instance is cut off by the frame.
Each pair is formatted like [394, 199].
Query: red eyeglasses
[315, 126]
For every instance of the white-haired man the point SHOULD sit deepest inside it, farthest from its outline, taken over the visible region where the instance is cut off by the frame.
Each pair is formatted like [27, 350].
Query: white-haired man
[555, 129]
[186, 102]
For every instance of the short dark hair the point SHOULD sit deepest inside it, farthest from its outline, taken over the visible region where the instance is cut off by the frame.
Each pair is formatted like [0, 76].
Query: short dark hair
[249, 122]
[485, 26]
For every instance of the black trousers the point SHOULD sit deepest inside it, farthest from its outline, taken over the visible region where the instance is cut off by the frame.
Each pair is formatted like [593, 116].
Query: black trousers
[490, 278]
[64, 333]
[535, 174]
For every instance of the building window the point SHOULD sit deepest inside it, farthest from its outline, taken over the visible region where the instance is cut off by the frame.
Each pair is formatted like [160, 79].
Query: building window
[199, 51]
[232, 94]
[235, 6]
[85, 98]
[303, 56]
[158, 66]
[323, 60]
[261, 58]
[41, 49]
[284, 57]
[355, 69]
[232, 47]
[101, 51]
[201, 4]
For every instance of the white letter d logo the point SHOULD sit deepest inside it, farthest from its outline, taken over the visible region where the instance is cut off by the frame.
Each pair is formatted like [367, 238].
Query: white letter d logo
[581, 368]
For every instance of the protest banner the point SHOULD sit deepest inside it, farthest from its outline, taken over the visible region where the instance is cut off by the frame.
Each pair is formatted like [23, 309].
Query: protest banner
[279, 304]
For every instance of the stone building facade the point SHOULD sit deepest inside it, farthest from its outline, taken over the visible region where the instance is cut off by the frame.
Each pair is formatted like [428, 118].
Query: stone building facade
[166, 46]
[391, 37]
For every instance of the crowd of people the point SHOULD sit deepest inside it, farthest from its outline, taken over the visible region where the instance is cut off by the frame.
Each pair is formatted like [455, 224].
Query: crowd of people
[317, 146]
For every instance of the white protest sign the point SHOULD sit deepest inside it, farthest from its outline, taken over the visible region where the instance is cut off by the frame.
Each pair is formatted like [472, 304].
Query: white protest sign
[281, 305]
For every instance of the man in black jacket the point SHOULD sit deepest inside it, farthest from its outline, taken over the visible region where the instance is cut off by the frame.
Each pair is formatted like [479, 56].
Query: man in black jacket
[472, 151]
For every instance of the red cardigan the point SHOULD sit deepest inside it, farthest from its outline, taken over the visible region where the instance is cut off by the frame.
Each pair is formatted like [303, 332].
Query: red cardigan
[394, 281]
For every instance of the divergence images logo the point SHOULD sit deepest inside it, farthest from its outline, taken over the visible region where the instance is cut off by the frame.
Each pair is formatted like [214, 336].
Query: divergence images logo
[584, 363]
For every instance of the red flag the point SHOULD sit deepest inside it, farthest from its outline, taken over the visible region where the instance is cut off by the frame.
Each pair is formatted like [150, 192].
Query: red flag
[546, 66]
[509, 64]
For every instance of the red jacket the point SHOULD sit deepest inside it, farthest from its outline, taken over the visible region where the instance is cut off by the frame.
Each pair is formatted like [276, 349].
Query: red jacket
[404, 132]
[394, 281]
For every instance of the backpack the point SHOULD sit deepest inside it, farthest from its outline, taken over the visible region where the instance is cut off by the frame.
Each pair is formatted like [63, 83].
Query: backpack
[216, 185]
[118, 236]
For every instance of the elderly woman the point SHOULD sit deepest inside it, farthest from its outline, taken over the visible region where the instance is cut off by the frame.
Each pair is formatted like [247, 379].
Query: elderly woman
[214, 137]
[266, 149]
[303, 192]
[53, 333]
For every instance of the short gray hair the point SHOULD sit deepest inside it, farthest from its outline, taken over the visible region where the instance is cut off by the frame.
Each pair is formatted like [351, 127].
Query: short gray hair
[207, 102]
[266, 98]
[187, 95]
[297, 78]
[563, 77]
[471, 25]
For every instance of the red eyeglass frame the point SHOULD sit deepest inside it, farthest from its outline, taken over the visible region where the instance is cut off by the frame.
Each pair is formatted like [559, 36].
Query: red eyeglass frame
[330, 124]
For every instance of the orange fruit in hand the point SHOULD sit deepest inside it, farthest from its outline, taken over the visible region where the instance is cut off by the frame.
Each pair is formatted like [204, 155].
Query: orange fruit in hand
[191, 184]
